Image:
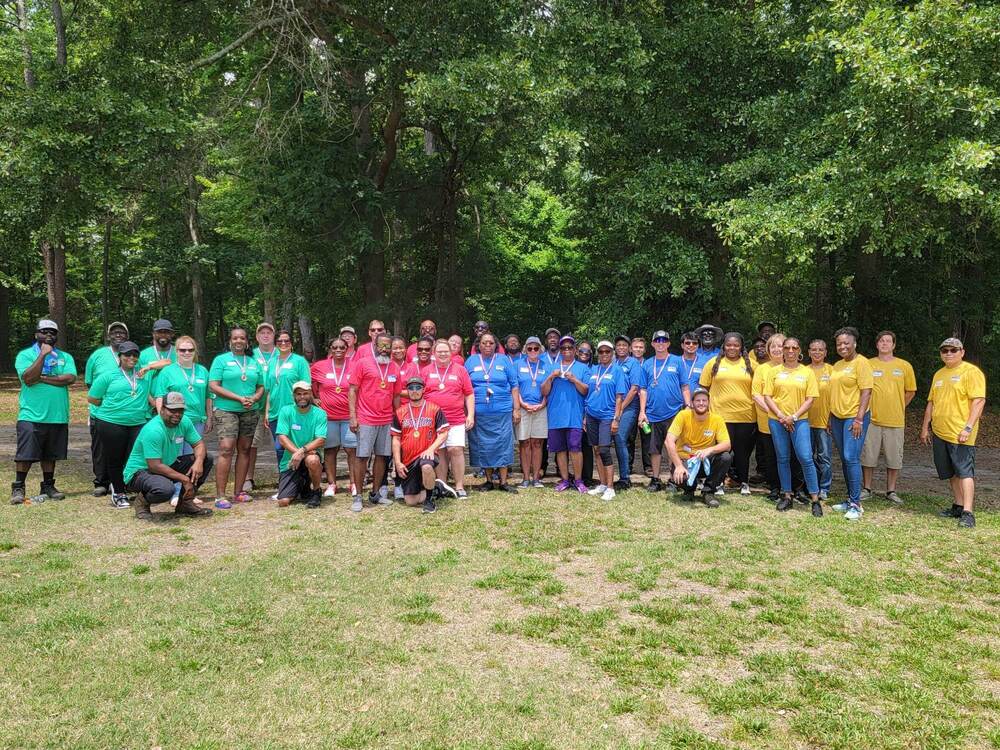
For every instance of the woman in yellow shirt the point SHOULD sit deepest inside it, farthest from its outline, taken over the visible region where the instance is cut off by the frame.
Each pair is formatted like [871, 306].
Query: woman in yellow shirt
[850, 391]
[819, 418]
[789, 391]
[766, 457]
[729, 380]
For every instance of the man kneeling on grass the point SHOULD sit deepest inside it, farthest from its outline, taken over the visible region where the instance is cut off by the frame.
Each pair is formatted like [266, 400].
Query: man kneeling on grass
[156, 468]
[418, 429]
[698, 445]
[302, 433]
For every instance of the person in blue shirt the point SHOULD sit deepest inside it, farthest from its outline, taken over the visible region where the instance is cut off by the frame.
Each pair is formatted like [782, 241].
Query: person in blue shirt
[512, 347]
[629, 420]
[533, 428]
[491, 440]
[709, 342]
[566, 387]
[666, 392]
[692, 360]
[603, 410]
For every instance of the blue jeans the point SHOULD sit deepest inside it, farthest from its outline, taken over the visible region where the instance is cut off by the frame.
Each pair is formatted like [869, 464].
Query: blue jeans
[187, 450]
[272, 425]
[823, 457]
[625, 425]
[849, 448]
[800, 441]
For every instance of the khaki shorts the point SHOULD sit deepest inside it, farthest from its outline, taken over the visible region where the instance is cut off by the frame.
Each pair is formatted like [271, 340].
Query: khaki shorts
[261, 434]
[879, 439]
[235, 424]
[533, 425]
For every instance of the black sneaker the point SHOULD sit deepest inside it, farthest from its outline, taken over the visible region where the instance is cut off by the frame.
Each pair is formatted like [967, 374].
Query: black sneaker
[802, 497]
[50, 491]
[429, 505]
[817, 510]
[784, 504]
[487, 486]
[99, 491]
[17, 494]
[709, 499]
[774, 495]
[444, 489]
[968, 520]
[315, 498]
[120, 501]
[955, 511]
[687, 496]
[621, 485]
[655, 485]
[504, 487]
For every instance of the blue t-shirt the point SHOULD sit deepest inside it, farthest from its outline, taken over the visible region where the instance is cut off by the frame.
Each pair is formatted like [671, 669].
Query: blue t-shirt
[606, 383]
[565, 406]
[691, 371]
[634, 376]
[664, 378]
[530, 378]
[493, 380]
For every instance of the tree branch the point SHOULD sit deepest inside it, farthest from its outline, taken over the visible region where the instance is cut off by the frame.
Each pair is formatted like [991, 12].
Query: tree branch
[240, 40]
[390, 135]
[360, 22]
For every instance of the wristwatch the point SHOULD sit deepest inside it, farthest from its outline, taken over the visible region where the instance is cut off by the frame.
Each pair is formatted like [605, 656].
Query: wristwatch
[967, 428]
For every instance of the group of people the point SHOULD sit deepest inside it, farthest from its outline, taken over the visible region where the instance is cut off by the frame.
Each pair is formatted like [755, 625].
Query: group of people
[412, 409]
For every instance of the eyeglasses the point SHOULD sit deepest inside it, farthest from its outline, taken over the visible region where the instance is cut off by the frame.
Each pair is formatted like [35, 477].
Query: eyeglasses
[567, 348]
[790, 348]
[284, 341]
[532, 348]
[686, 343]
[185, 351]
[950, 350]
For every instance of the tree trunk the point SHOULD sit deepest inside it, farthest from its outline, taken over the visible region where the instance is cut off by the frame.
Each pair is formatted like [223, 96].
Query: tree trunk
[194, 268]
[54, 258]
[105, 280]
[268, 293]
[60, 29]
[22, 28]
[305, 322]
[449, 293]
[286, 306]
[220, 306]
[5, 363]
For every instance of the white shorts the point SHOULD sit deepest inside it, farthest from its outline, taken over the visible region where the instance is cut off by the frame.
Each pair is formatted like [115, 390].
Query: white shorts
[533, 425]
[456, 437]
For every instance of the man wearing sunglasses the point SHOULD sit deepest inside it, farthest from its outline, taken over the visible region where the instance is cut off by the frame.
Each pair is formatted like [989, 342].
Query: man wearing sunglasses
[367, 351]
[951, 423]
[665, 393]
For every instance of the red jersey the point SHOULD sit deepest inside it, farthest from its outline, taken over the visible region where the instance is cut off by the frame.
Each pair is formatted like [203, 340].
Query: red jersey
[417, 429]
[451, 398]
[377, 385]
[330, 385]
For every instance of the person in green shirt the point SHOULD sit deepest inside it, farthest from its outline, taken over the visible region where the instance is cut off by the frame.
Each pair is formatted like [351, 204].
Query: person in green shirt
[301, 430]
[237, 382]
[161, 353]
[45, 373]
[190, 379]
[102, 360]
[287, 368]
[123, 402]
[158, 472]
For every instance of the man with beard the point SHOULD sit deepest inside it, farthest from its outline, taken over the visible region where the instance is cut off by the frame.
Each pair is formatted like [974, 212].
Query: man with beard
[419, 429]
[698, 445]
[161, 352]
[513, 346]
[302, 432]
[100, 361]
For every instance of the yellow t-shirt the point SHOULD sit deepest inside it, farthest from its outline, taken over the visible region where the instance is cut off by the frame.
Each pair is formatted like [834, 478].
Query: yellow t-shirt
[846, 383]
[692, 435]
[756, 362]
[790, 388]
[759, 375]
[892, 380]
[729, 389]
[952, 391]
[819, 412]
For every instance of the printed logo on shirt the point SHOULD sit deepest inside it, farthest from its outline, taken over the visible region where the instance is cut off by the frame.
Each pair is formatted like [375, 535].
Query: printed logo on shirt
[956, 378]
[876, 373]
[391, 378]
[178, 440]
[938, 383]
[708, 433]
[296, 427]
[898, 373]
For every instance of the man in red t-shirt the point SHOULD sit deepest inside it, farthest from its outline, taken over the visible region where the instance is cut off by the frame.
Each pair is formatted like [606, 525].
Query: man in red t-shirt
[419, 428]
[428, 329]
[330, 386]
[375, 385]
[367, 351]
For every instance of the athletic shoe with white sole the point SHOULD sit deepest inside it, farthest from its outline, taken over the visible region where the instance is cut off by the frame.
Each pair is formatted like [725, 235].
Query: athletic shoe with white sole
[331, 490]
[444, 489]
[598, 490]
[853, 514]
[744, 489]
[356, 504]
[608, 494]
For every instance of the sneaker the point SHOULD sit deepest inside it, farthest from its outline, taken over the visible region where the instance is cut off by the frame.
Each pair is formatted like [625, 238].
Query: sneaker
[397, 492]
[429, 505]
[142, 511]
[504, 487]
[354, 489]
[248, 486]
[120, 501]
[709, 499]
[244, 497]
[967, 521]
[274, 496]
[840, 507]
[487, 486]
[720, 491]
[16, 494]
[537, 485]
[801, 496]
[222, 504]
[824, 496]
[955, 511]
[356, 504]
[609, 494]
[744, 489]
[655, 485]
[444, 489]
[315, 499]
[461, 494]
[525, 485]
[784, 504]
[687, 496]
[563, 485]
[377, 498]
[99, 491]
[581, 487]
[621, 485]
[853, 514]
[892, 497]
[331, 490]
[866, 493]
[598, 490]
[383, 492]
[817, 510]
[50, 491]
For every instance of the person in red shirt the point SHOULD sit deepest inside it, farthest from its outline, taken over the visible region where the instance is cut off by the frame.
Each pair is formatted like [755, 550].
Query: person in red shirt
[419, 429]
[455, 342]
[449, 386]
[375, 385]
[330, 386]
[367, 351]
[428, 329]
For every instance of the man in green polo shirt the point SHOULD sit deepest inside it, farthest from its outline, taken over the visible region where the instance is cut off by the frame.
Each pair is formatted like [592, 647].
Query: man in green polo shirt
[102, 360]
[161, 352]
[157, 470]
[301, 431]
[45, 373]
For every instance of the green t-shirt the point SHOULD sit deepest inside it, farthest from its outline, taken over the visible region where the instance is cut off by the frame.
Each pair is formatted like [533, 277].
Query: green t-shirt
[99, 362]
[150, 355]
[300, 428]
[156, 440]
[120, 403]
[228, 371]
[42, 402]
[191, 383]
[280, 377]
[265, 360]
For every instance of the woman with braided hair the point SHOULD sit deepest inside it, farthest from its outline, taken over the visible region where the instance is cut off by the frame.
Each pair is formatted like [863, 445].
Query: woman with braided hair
[728, 378]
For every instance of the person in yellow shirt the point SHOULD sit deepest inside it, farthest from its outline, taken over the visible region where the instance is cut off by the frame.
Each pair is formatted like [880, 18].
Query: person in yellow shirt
[894, 386]
[767, 461]
[819, 417]
[698, 446]
[789, 391]
[850, 392]
[729, 378]
[765, 330]
[955, 403]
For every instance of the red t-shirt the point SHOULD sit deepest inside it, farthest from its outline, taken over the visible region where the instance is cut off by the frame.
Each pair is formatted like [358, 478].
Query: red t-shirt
[451, 399]
[417, 430]
[330, 385]
[365, 351]
[410, 370]
[375, 400]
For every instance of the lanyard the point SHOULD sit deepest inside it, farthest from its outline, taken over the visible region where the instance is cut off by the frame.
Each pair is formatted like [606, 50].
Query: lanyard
[690, 369]
[487, 369]
[277, 372]
[552, 359]
[600, 375]
[133, 382]
[534, 373]
[384, 376]
[440, 377]
[243, 367]
[657, 373]
[190, 380]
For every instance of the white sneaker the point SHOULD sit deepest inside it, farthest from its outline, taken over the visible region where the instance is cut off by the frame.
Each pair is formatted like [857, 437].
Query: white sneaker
[720, 491]
[331, 490]
[274, 496]
[609, 494]
[598, 490]
[744, 489]
[383, 492]
[397, 492]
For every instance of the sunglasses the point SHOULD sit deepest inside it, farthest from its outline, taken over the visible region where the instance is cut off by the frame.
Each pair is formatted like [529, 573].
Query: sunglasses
[667, 341]
[532, 348]
[414, 387]
[790, 348]
[49, 331]
[423, 348]
[185, 351]
[686, 343]
[376, 330]
[585, 352]
[950, 350]
[566, 348]
[128, 354]
[284, 341]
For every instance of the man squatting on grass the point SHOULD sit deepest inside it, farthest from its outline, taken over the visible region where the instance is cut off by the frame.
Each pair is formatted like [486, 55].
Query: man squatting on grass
[301, 430]
[698, 444]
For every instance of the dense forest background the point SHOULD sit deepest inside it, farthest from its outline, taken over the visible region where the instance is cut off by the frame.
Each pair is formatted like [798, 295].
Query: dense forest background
[604, 166]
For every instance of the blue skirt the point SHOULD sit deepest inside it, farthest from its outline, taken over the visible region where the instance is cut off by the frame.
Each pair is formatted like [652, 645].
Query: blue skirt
[491, 441]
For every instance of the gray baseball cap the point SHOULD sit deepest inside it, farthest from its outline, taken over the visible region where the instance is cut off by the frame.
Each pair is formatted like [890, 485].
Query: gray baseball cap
[173, 401]
[46, 323]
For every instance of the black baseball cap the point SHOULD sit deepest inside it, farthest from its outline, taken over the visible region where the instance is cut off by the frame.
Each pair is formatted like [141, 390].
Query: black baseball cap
[161, 325]
[128, 347]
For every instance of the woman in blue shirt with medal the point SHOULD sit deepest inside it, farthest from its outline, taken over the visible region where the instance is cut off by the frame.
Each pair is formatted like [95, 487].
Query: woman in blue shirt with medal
[491, 440]
[533, 428]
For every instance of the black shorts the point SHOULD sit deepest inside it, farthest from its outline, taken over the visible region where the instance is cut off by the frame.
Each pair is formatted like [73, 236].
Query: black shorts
[953, 459]
[658, 435]
[294, 483]
[599, 431]
[413, 484]
[41, 441]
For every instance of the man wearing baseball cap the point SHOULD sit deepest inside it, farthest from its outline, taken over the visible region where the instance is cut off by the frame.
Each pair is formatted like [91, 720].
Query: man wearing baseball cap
[350, 337]
[156, 469]
[954, 405]
[629, 420]
[665, 393]
[565, 388]
[603, 408]
[698, 446]
[101, 360]
[161, 352]
[419, 428]
[43, 410]
[301, 431]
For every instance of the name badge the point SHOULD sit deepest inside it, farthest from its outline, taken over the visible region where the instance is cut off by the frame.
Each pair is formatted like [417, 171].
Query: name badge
[296, 427]
[525, 369]
[477, 368]
[286, 366]
[178, 440]
[708, 433]
[331, 376]
[391, 378]
[876, 373]
[453, 377]
[200, 381]
[938, 383]
[956, 378]
[60, 362]
[898, 373]
[671, 368]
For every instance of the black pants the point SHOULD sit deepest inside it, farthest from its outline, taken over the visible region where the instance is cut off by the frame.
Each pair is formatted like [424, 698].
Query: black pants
[743, 435]
[587, 470]
[647, 465]
[97, 457]
[720, 467]
[116, 443]
[157, 488]
[767, 461]
[545, 458]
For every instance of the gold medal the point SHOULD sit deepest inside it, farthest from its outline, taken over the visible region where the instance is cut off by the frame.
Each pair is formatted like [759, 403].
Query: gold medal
[338, 389]
[382, 384]
[416, 433]
[441, 387]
